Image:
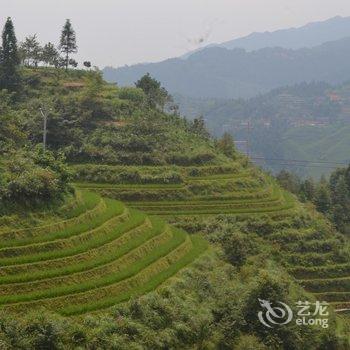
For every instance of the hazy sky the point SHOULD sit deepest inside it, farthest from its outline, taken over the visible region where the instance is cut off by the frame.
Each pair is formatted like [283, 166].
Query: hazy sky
[119, 32]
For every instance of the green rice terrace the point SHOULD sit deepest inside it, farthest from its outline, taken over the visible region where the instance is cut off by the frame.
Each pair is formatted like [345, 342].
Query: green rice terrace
[98, 254]
[311, 250]
[188, 191]
[123, 207]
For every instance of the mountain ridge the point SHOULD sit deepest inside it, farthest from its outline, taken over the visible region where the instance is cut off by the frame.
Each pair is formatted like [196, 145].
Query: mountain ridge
[334, 28]
[222, 73]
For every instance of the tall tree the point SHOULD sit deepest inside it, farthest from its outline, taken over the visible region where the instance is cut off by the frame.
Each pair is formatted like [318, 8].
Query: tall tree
[68, 44]
[49, 55]
[9, 58]
[31, 51]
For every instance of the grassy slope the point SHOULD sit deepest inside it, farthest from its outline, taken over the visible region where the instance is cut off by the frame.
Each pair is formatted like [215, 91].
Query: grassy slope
[91, 264]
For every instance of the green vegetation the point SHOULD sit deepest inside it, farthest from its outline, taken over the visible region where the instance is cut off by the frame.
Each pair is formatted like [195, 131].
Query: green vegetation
[331, 197]
[88, 260]
[196, 309]
[33, 177]
[68, 44]
[130, 278]
[91, 207]
[9, 59]
[307, 121]
[305, 242]
[156, 96]
[91, 121]
[250, 203]
[245, 191]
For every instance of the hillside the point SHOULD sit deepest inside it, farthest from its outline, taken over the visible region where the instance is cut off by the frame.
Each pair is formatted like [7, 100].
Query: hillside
[92, 121]
[253, 199]
[99, 254]
[169, 238]
[217, 72]
[102, 253]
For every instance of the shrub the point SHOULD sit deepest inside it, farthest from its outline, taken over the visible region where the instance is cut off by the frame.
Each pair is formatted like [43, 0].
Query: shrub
[276, 288]
[32, 177]
[190, 159]
[237, 247]
[132, 94]
[250, 342]
[130, 175]
[226, 145]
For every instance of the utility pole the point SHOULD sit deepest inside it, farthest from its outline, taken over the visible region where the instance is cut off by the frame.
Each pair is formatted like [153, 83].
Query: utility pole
[44, 115]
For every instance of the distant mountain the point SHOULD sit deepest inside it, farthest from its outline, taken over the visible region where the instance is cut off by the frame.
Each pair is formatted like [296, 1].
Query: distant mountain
[310, 35]
[222, 73]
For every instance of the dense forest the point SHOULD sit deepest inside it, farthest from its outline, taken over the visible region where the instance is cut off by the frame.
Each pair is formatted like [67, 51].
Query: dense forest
[330, 196]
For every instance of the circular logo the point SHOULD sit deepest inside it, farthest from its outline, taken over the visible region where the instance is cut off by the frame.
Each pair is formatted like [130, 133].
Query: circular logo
[274, 315]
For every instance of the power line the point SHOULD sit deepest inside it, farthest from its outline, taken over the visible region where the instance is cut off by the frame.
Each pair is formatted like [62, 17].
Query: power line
[300, 161]
[288, 162]
[309, 166]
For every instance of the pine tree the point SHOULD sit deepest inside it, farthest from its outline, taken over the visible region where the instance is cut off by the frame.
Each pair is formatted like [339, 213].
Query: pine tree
[9, 58]
[68, 43]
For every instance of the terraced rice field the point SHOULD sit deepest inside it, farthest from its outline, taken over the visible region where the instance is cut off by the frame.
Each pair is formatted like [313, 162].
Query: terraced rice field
[313, 257]
[102, 254]
[237, 193]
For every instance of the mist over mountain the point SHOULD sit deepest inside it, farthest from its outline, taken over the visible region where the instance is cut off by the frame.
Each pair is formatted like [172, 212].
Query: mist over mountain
[310, 35]
[223, 73]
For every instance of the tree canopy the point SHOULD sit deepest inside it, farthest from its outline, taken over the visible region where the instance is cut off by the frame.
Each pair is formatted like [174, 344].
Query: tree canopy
[9, 58]
[157, 96]
[68, 43]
